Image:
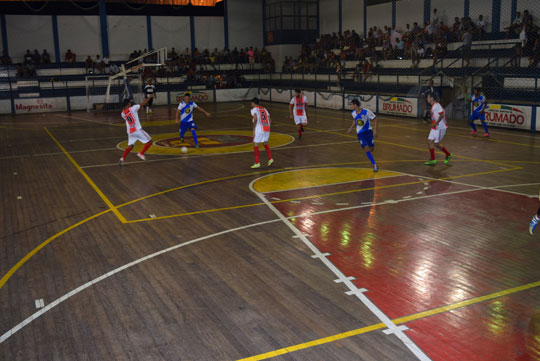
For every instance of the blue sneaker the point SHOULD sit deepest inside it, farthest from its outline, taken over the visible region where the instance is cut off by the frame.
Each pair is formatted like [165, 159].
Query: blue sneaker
[376, 168]
[533, 224]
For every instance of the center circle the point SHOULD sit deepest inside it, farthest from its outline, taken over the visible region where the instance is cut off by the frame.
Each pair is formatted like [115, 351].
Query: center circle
[205, 141]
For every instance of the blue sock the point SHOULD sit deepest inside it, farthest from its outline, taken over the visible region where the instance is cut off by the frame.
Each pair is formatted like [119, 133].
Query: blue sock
[485, 127]
[473, 125]
[194, 137]
[370, 157]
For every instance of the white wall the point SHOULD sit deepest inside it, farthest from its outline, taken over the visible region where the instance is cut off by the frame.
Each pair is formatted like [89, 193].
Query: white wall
[29, 32]
[245, 23]
[448, 10]
[329, 16]
[352, 16]
[171, 32]
[81, 34]
[380, 15]
[409, 12]
[209, 32]
[126, 33]
[279, 52]
[506, 13]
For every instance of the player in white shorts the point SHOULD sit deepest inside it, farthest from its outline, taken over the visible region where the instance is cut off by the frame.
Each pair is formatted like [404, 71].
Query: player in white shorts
[261, 131]
[135, 132]
[298, 106]
[438, 130]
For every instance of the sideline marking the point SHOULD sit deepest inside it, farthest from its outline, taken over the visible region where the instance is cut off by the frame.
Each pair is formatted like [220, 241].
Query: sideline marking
[88, 179]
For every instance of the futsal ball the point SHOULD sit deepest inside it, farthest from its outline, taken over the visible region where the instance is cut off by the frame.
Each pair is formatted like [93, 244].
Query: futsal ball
[183, 150]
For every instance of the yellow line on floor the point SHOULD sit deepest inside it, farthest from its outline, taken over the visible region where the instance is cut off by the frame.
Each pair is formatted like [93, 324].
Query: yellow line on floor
[401, 320]
[23, 260]
[88, 179]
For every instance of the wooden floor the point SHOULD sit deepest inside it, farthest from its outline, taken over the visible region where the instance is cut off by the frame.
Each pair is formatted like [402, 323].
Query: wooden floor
[199, 257]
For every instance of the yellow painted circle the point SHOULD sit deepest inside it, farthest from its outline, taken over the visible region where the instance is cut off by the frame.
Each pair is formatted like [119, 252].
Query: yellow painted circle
[209, 142]
[315, 177]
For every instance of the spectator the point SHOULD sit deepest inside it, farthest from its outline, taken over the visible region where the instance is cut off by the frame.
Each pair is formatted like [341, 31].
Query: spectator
[527, 18]
[435, 22]
[481, 26]
[28, 58]
[45, 57]
[456, 29]
[523, 35]
[387, 48]
[89, 65]
[98, 64]
[515, 27]
[441, 49]
[70, 57]
[534, 57]
[367, 69]
[399, 49]
[106, 60]
[36, 58]
[5, 60]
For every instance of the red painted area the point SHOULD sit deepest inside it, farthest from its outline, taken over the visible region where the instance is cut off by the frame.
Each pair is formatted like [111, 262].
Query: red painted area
[421, 254]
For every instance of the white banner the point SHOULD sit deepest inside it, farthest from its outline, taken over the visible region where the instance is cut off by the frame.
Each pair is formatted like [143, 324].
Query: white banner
[235, 95]
[264, 93]
[329, 100]
[5, 106]
[198, 96]
[407, 107]
[40, 105]
[367, 101]
[509, 116]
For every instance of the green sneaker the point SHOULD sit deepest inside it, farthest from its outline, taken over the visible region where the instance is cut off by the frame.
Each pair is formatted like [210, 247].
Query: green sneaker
[447, 160]
[431, 162]
[197, 146]
[270, 161]
[256, 165]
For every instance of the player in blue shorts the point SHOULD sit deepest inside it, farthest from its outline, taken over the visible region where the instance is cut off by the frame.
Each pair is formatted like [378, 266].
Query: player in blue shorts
[534, 222]
[479, 106]
[364, 131]
[184, 116]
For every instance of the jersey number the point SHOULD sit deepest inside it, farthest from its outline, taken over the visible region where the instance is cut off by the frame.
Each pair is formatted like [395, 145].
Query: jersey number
[131, 123]
[264, 121]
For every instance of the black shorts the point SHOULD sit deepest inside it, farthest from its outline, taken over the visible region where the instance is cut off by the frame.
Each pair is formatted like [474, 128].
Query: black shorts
[151, 100]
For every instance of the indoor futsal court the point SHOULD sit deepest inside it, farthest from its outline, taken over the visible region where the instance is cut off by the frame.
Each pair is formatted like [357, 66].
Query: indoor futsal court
[198, 257]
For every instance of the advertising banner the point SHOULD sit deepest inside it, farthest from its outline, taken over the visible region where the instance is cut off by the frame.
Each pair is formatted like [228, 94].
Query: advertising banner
[40, 105]
[281, 95]
[264, 93]
[366, 101]
[198, 96]
[406, 107]
[509, 116]
[235, 95]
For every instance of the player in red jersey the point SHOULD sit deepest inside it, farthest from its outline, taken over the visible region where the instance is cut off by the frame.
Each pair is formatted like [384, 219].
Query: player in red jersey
[299, 106]
[438, 130]
[135, 132]
[261, 131]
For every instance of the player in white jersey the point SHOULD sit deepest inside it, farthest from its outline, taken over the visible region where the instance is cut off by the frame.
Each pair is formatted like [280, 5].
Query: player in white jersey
[479, 104]
[184, 116]
[298, 106]
[134, 130]
[438, 130]
[365, 131]
[261, 131]
[149, 89]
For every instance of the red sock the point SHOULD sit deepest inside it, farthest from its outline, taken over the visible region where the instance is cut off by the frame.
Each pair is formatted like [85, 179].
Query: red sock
[146, 146]
[256, 151]
[432, 152]
[126, 152]
[268, 151]
[299, 131]
[445, 151]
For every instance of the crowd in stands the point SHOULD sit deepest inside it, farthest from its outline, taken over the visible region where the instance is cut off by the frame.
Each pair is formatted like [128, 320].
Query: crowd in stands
[415, 42]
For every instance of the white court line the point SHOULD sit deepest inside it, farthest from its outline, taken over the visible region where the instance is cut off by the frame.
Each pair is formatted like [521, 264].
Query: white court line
[68, 295]
[359, 293]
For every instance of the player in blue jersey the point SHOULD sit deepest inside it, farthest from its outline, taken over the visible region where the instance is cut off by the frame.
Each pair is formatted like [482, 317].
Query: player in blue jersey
[363, 119]
[479, 104]
[184, 116]
[534, 222]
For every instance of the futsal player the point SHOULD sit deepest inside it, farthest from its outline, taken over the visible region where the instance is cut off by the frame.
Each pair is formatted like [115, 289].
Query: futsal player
[534, 221]
[299, 106]
[479, 106]
[149, 89]
[261, 131]
[135, 132]
[438, 130]
[365, 132]
[184, 116]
